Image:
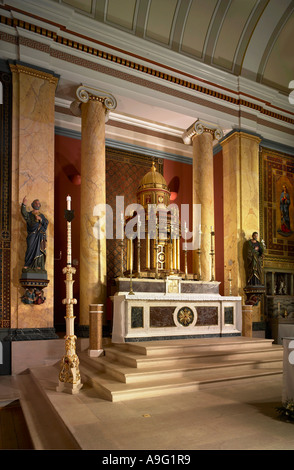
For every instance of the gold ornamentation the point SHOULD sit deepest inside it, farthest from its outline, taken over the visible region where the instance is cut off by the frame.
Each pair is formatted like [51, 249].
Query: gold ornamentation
[17, 68]
[69, 366]
[185, 316]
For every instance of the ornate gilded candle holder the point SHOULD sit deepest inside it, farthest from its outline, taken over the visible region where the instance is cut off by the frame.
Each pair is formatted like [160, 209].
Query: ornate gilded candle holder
[69, 376]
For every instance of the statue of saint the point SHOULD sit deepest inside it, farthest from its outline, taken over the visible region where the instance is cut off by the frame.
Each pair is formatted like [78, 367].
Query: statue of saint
[35, 257]
[284, 209]
[254, 254]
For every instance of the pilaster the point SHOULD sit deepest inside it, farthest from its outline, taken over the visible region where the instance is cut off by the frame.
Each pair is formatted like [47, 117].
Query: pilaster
[241, 203]
[33, 178]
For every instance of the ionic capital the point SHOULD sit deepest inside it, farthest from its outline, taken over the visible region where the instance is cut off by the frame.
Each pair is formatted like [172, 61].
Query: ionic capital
[199, 128]
[86, 93]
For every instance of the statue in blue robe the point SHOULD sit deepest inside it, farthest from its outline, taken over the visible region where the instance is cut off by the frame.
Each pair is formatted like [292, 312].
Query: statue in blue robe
[35, 256]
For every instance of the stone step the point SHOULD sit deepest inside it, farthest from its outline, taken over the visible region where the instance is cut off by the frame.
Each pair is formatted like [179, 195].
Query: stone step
[111, 389]
[140, 361]
[47, 430]
[188, 346]
[153, 368]
[127, 374]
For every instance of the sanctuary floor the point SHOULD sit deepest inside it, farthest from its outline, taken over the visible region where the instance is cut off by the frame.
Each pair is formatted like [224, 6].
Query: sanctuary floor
[238, 416]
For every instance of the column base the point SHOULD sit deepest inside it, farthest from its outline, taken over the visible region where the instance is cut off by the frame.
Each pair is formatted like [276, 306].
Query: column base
[69, 387]
[95, 352]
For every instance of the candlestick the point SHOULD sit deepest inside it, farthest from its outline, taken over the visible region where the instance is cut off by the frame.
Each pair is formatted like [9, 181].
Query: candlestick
[212, 254]
[139, 248]
[122, 224]
[131, 267]
[122, 244]
[185, 250]
[69, 376]
[156, 248]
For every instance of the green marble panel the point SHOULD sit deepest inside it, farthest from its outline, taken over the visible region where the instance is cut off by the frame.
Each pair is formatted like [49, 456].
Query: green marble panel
[137, 317]
[229, 315]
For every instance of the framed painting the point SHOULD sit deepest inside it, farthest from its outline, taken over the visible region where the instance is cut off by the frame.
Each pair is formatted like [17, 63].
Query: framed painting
[277, 207]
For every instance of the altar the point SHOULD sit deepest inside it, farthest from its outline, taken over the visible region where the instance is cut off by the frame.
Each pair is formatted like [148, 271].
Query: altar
[173, 308]
[155, 297]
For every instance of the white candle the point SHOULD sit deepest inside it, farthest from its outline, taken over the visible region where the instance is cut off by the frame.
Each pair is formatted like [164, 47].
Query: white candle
[199, 236]
[122, 225]
[68, 203]
[139, 225]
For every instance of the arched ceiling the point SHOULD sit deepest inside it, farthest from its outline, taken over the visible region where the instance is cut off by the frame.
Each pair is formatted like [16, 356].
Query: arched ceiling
[250, 38]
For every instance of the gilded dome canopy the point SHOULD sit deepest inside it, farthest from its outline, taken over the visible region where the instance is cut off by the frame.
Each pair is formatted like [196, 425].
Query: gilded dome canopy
[153, 180]
[153, 189]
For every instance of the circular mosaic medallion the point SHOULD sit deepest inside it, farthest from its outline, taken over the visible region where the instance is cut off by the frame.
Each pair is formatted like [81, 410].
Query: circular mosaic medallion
[161, 257]
[185, 316]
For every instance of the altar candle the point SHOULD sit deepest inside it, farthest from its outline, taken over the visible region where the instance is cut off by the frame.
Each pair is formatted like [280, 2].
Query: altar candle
[139, 224]
[68, 203]
[122, 225]
[212, 235]
[185, 237]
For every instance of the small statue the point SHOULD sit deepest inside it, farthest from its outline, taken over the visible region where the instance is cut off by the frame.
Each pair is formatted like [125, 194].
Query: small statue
[35, 256]
[254, 255]
[29, 296]
[33, 296]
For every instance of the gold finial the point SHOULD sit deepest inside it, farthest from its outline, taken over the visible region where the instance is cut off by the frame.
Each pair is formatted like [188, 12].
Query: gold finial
[153, 168]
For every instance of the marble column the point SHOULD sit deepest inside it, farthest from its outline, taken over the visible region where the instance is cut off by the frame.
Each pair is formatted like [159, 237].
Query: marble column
[32, 163]
[241, 202]
[92, 105]
[202, 135]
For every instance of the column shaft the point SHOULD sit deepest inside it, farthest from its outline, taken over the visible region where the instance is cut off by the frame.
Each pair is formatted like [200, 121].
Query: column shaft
[203, 193]
[92, 250]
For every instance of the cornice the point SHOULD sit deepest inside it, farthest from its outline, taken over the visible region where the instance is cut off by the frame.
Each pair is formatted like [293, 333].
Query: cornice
[231, 98]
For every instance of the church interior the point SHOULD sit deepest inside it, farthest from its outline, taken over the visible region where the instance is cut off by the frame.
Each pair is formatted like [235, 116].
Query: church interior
[147, 222]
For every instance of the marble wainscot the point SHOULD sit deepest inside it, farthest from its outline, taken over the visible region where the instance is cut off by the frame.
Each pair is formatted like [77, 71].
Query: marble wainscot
[173, 308]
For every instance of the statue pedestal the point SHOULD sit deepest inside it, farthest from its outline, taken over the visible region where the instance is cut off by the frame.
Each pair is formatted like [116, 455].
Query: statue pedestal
[34, 283]
[254, 294]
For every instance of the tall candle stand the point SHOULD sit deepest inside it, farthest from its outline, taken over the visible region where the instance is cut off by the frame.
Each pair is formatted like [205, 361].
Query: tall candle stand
[131, 269]
[185, 251]
[212, 253]
[122, 245]
[230, 277]
[199, 277]
[139, 247]
[69, 376]
[156, 249]
[230, 282]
